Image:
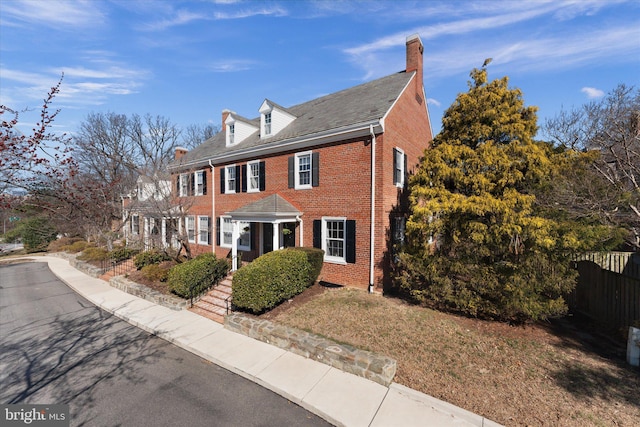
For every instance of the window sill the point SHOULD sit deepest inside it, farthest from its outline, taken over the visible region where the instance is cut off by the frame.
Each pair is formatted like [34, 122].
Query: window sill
[338, 261]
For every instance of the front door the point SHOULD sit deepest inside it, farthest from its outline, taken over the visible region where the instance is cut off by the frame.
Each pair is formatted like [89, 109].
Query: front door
[267, 238]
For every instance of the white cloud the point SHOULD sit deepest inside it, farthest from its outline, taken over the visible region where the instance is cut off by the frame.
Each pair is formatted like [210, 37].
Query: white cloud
[432, 101]
[180, 17]
[231, 65]
[276, 11]
[592, 92]
[59, 14]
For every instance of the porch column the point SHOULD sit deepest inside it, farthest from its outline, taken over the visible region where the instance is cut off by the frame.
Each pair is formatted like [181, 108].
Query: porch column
[235, 236]
[163, 233]
[276, 236]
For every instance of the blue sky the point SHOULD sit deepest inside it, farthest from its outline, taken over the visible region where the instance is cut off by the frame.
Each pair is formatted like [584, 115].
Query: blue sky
[189, 60]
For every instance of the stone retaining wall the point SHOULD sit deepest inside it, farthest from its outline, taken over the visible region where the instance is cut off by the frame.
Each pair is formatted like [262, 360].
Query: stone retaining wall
[372, 366]
[141, 291]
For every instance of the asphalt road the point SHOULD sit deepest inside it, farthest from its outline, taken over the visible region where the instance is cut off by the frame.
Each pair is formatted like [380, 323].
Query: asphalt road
[56, 347]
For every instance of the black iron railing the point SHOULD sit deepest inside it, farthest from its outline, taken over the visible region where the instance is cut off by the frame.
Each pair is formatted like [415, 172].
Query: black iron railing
[118, 268]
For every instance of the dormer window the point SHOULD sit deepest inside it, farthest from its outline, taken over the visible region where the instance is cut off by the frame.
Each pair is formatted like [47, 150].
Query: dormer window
[238, 129]
[267, 124]
[232, 133]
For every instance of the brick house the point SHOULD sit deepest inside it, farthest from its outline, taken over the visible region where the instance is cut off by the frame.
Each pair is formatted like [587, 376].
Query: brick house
[328, 173]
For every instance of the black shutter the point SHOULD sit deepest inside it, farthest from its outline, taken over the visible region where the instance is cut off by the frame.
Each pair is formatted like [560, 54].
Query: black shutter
[252, 228]
[218, 231]
[396, 178]
[209, 232]
[244, 178]
[351, 242]
[263, 176]
[204, 182]
[315, 169]
[292, 176]
[192, 184]
[406, 173]
[222, 180]
[178, 186]
[238, 178]
[317, 233]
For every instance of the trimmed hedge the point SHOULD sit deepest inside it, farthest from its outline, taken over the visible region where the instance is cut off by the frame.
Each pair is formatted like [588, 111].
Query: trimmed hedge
[272, 278]
[315, 257]
[146, 258]
[197, 275]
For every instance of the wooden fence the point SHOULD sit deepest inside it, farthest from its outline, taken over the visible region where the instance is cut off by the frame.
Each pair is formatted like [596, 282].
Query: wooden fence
[608, 289]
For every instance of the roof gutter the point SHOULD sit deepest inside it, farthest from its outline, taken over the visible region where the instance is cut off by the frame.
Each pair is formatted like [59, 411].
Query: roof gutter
[319, 138]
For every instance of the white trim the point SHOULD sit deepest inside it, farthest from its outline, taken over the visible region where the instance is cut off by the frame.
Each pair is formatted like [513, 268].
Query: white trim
[327, 257]
[227, 168]
[307, 141]
[184, 185]
[399, 184]
[200, 229]
[196, 190]
[188, 219]
[248, 177]
[296, 171]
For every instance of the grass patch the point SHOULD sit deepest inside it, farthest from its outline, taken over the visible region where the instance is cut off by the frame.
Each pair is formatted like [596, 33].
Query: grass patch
[533, 375]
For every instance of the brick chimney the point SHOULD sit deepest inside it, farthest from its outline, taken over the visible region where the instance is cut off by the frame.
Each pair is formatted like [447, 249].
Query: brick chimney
[225, 114]
[414, 60]
[180, 151]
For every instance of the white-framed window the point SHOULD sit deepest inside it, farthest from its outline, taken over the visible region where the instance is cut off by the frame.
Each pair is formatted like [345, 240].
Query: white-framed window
[244, 241]
[399, 161]
[191, 228]
[253, 176]
[184, 185]
[230, 179]
[201, 185]
[267, 123]
[226, 232]
[203, 230]
[303, 170]
[135, 224]
[232, 133]
[334, 235]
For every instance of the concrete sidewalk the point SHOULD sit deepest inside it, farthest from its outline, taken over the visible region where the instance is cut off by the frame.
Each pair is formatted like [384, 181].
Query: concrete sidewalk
[340, 398]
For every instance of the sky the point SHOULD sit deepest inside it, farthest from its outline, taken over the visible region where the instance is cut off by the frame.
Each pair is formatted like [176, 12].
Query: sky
[189, 60]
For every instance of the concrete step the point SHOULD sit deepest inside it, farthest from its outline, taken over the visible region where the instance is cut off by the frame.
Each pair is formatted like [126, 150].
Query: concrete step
[216, 317]
[213, 304]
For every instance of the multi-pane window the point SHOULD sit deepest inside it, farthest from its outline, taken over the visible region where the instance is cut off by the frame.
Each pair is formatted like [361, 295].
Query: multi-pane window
[334, 239]
[184, 185]
[200, 183]
[230, 180]
[253, 176]
[226, 232]
[191, 228]
[399, 225]
[135, 224]
[232, 134]
[303, 169]
[203, 230]
[267, 124]
[399, 161]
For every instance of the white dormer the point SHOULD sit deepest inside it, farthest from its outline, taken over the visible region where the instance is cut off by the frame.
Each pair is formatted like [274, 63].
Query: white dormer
[273, 119]
[237, 129]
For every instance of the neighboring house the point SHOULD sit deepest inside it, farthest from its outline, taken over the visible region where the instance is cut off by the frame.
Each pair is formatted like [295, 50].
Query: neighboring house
[329, 173]
[147, 214]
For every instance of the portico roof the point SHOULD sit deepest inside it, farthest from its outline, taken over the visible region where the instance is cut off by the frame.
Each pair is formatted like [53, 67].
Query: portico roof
[270, 208]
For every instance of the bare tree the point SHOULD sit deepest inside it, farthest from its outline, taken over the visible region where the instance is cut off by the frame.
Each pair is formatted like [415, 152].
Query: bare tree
[610, 128]
[194, 135]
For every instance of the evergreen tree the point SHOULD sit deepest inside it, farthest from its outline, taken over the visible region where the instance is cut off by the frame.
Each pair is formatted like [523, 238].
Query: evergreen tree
[473, 195]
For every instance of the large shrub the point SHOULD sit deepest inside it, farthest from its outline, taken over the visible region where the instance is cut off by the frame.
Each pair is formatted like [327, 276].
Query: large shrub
[315, 257]
[157, 272]
[61, 244]
[150, 257]
[270, 279]
[94, 254]
[196, 276]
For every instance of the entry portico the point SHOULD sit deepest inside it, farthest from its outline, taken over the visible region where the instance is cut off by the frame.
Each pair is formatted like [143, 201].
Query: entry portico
[277, 220]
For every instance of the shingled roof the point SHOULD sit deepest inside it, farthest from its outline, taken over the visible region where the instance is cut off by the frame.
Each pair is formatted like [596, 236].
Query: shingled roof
[362, 104]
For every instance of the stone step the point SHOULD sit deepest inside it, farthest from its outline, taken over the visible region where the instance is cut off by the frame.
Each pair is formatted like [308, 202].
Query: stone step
[218, 302]
[215, 316]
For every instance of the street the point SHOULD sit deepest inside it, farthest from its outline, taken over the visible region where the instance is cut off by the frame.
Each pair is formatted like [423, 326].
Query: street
[56, 347]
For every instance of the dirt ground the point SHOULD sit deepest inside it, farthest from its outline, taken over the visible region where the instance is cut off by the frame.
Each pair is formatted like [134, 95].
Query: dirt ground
[560, 373]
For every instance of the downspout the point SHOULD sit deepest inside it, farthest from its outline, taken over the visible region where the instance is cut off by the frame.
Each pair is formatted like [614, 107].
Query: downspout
[213, 207]
[373, 216]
